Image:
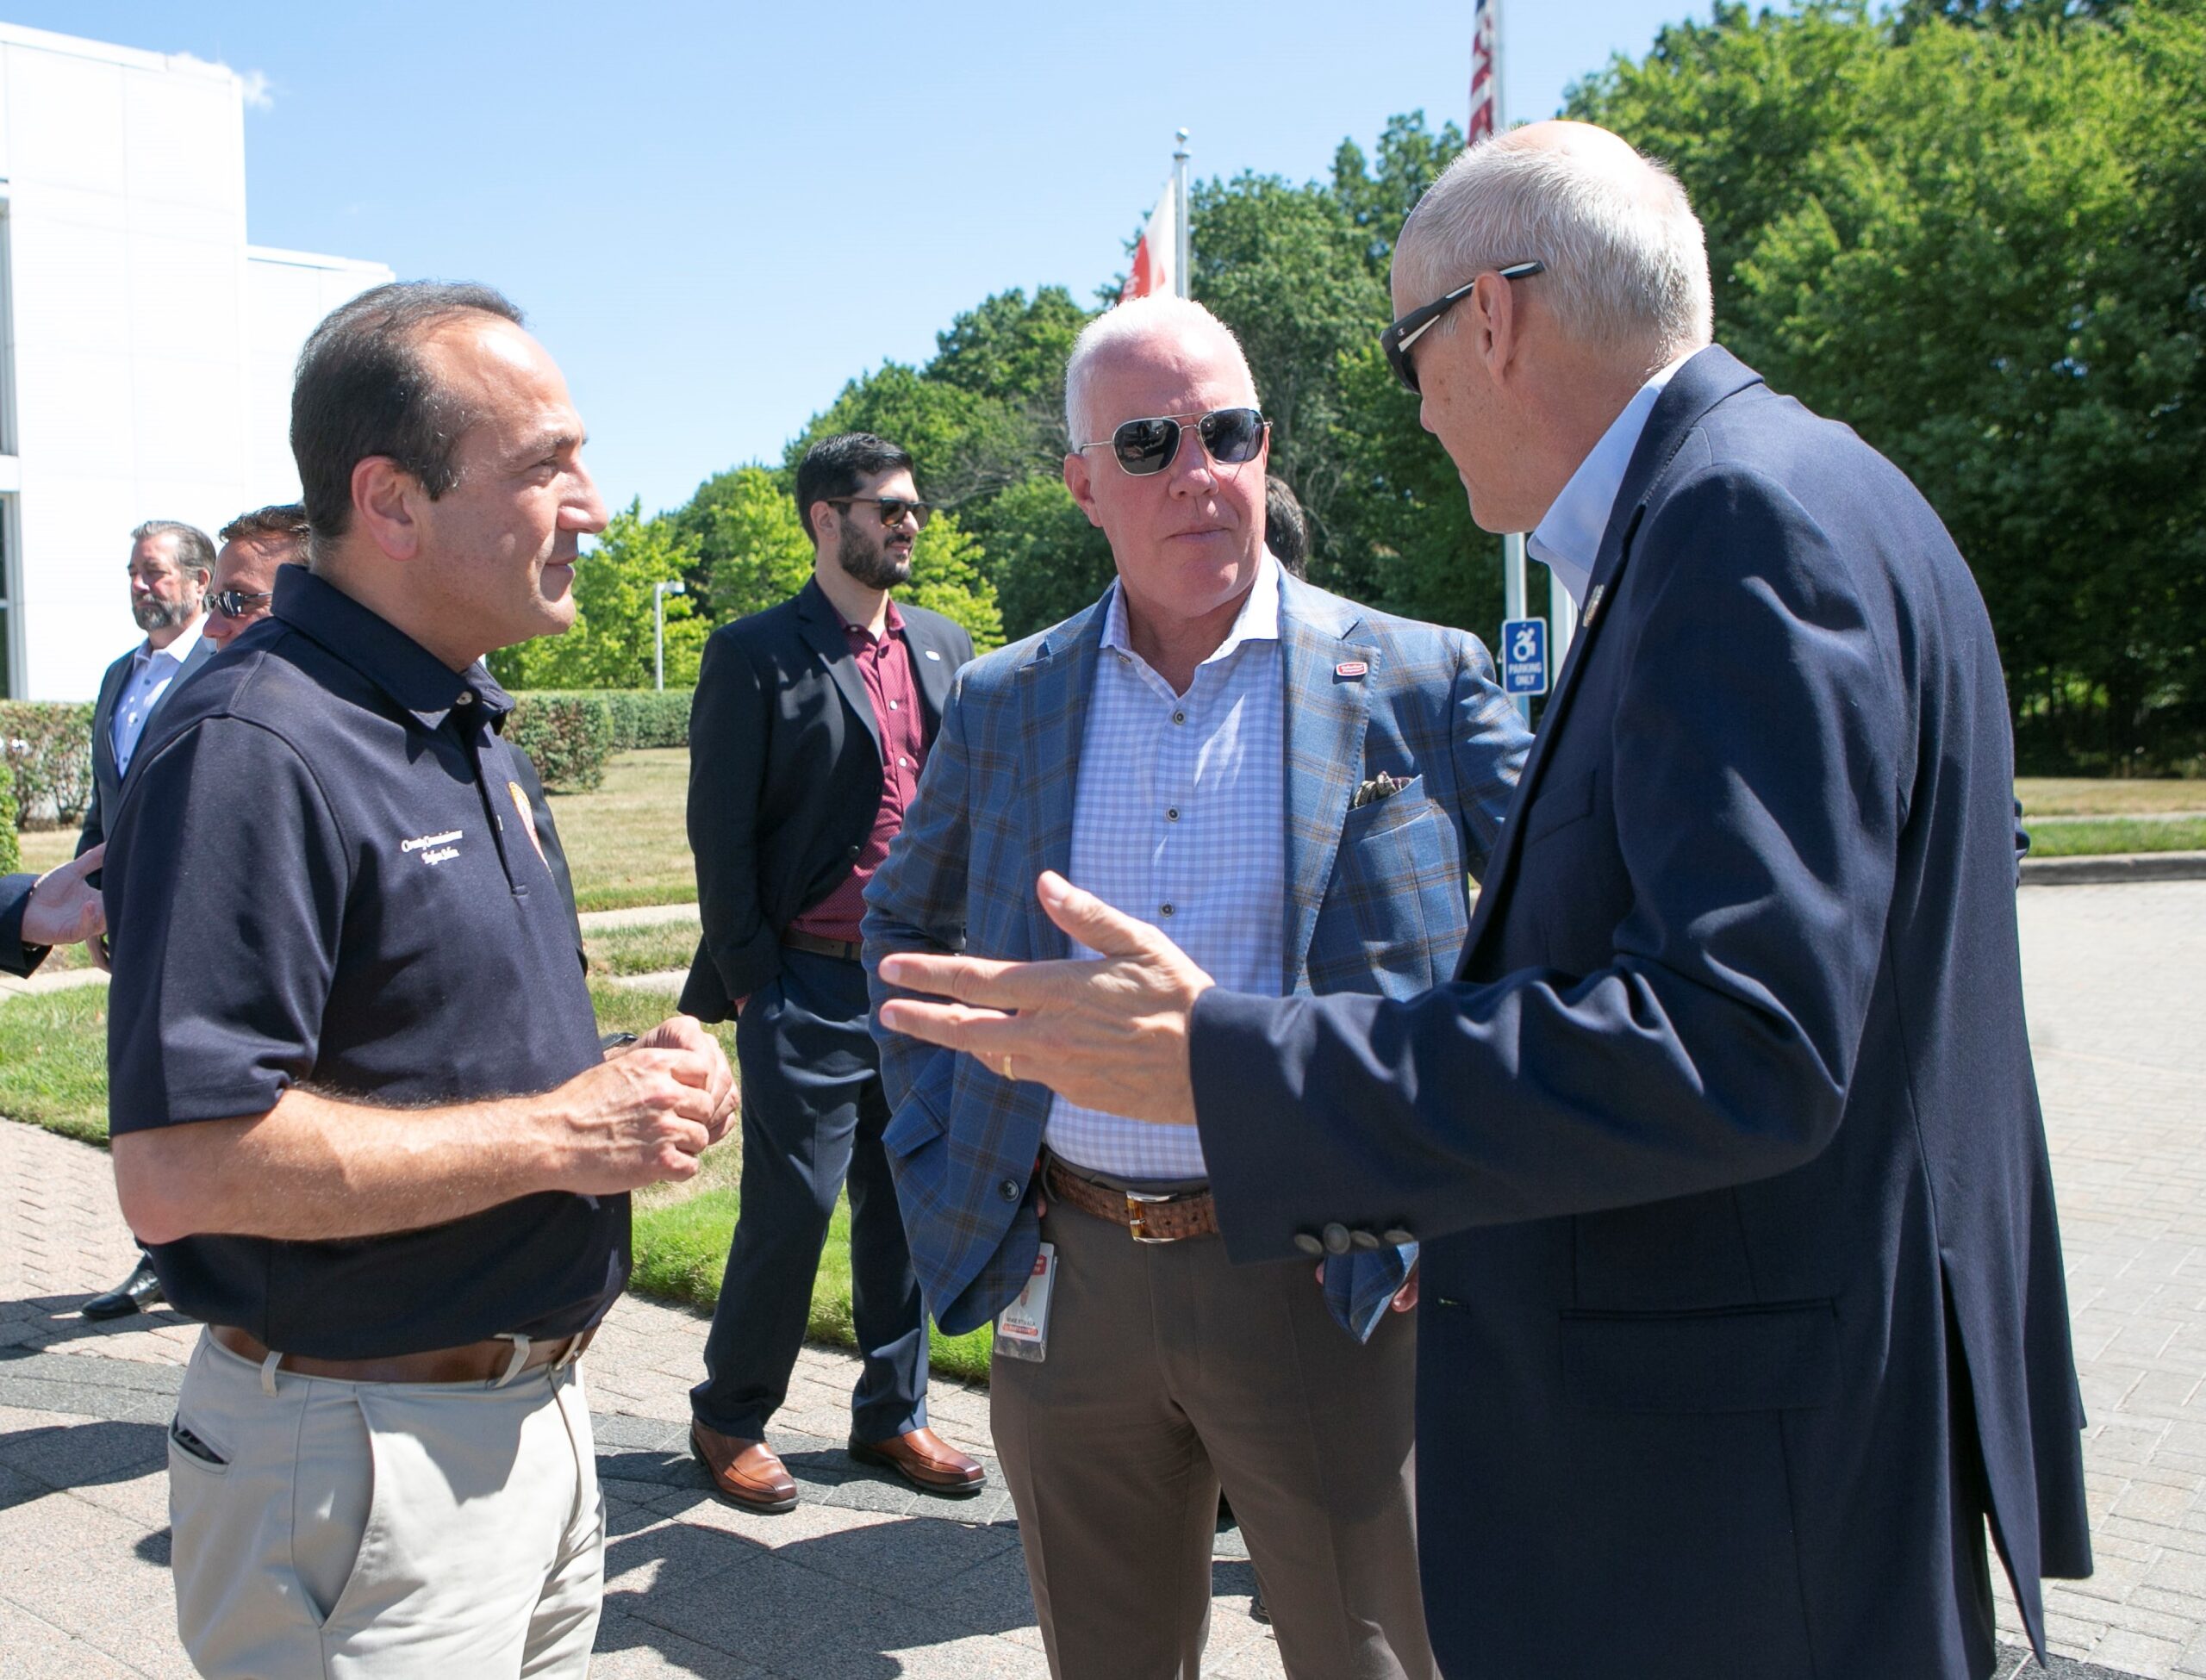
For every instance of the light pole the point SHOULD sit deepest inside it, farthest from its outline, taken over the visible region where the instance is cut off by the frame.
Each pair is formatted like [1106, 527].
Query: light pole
[673, 586]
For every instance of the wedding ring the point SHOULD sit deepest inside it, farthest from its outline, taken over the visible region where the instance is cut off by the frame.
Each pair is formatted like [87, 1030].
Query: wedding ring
[1007, 1070]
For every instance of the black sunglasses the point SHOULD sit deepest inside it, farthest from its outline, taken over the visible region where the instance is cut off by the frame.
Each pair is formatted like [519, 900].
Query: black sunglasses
[1396, 339]
[236, 603]
[1145, 446]
[892, 509]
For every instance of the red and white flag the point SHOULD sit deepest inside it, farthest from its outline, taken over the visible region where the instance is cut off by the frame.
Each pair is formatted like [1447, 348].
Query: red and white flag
[1155, 254]
[1486, 86]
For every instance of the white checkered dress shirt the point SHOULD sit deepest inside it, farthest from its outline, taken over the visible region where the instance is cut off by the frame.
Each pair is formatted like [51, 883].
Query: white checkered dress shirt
[1180, 822]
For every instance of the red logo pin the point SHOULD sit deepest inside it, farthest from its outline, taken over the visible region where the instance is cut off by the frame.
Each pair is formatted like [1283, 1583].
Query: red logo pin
[1353, 667]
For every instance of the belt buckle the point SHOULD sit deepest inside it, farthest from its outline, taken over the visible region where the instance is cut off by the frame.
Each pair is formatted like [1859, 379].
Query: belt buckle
[1136, 1221]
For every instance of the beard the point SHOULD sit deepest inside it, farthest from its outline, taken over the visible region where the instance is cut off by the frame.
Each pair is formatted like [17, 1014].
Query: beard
[869, 561]
[152, 615]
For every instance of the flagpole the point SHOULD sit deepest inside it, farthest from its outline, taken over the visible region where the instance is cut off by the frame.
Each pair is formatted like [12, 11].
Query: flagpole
[1513, 568]
[1183, 282]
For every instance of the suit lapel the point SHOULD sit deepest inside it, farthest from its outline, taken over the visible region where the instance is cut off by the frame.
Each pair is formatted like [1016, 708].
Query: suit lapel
[1696, 387]
[1054, 687]
[1326, 715]
[104, 770]
[823, 632]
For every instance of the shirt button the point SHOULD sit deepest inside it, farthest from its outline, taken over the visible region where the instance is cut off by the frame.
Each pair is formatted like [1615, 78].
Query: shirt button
[466, 698]
[1179, 717]
[1008, 1190]
[1165, 909]
[903, 761]
[1171, 813]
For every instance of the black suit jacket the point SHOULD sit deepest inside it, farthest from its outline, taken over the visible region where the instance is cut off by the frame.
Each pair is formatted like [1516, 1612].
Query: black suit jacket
[1742, 1293]
[107, 779]
[785, 777]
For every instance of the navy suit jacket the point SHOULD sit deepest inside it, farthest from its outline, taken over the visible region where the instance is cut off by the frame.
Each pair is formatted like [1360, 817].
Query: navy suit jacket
[1743, 1295]
[106, 777]
[16, 957]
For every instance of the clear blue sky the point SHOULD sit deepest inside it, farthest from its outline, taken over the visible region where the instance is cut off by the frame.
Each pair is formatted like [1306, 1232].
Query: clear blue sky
[714, 214]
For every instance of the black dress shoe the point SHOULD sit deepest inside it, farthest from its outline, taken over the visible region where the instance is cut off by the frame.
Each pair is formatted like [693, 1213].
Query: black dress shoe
[140, 1289]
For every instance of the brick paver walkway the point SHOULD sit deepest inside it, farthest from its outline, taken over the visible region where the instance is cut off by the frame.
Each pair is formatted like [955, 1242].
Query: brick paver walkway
[867, 1580]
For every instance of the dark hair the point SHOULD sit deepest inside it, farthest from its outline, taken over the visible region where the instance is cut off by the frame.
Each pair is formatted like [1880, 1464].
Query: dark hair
[193, 553]
[1286, 532]
[363, 388]
[841, 466]
[282, 524]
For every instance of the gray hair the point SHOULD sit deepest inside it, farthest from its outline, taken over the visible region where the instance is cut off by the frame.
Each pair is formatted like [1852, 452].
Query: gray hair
[195, 550]
[1626, 262]
[1156, 316]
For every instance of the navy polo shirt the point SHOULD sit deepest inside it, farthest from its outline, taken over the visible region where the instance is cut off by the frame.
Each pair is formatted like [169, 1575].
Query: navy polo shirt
[324, 873]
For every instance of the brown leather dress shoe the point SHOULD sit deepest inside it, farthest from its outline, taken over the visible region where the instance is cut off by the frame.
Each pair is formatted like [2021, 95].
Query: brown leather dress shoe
[926, 1461]
[750, 1472]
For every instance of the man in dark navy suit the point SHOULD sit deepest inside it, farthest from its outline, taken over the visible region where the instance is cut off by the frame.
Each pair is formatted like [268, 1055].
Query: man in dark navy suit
[1743, 1304]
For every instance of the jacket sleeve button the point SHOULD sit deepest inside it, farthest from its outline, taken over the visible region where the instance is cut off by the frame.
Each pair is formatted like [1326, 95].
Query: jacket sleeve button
[1009, 1190]
[1336, 1237]
[1363, 1239]
[1397, 1238]
[1309, 1244]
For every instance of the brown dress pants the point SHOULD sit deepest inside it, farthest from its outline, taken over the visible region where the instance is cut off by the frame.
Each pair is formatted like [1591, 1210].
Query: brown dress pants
[1170, 1371]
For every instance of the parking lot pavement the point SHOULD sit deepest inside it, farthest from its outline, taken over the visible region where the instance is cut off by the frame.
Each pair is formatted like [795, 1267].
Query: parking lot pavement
[869, 1579]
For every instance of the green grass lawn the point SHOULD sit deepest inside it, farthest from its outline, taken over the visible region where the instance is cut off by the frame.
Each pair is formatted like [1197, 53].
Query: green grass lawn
[640, 950]
[2100, 796]
[53, 1073]
[627, 843]
[2093, 836]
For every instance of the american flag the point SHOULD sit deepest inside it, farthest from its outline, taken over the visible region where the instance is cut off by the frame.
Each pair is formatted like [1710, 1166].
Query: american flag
[1486, 86]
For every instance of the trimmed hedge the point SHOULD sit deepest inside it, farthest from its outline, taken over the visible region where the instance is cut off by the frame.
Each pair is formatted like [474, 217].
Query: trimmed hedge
[570, 737]
[48, 746]
[641, 717]
[11, 854]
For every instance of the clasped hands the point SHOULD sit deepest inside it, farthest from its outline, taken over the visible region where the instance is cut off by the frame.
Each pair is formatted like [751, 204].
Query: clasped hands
[1107, 1032]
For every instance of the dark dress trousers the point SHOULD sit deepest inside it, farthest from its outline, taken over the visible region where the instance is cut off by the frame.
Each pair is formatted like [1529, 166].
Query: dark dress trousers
[107, 776]
[785, 786]
[1743, 1295]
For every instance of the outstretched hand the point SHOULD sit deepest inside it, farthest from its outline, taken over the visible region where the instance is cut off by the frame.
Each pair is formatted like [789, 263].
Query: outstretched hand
[63, 909]
[1108, 1032]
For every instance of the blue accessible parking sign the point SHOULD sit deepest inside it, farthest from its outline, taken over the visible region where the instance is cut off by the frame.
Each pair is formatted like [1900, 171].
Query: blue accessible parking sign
[1524, 656]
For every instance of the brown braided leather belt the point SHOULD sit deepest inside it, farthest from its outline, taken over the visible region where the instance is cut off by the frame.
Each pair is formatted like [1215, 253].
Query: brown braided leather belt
[1150, 1218]
[477, 1362]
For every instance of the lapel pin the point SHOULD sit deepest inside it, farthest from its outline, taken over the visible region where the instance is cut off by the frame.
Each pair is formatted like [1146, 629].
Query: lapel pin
[930, 653]
[1349, 668]
[1593, 601]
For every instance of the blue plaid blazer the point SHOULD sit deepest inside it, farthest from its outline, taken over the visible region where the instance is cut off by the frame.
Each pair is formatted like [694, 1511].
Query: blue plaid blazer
[1375, 896]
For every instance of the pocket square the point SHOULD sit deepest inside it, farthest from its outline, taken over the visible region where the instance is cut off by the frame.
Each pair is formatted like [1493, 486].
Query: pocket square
[1380, 786]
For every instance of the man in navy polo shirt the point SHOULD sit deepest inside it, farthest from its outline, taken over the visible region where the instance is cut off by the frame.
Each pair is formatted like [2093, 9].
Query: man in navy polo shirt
[361, 1118]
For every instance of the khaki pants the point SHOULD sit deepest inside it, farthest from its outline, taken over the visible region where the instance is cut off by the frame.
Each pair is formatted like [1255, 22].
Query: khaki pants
[1170, 1371]
[364, 1531]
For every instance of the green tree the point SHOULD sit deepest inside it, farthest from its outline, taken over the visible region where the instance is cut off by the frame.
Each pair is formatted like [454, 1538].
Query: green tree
[946, 578]
[1981, 247]
[1047, 560]
[611, 645]
[750, 540]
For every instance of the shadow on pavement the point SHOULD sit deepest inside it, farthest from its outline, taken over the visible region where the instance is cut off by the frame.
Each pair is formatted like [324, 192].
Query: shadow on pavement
[76, 1455]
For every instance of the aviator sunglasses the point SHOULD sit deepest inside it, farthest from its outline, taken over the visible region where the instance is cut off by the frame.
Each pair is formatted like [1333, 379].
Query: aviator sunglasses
[236, 603]
[1396, 339]
[1145, 446]
[892, 509]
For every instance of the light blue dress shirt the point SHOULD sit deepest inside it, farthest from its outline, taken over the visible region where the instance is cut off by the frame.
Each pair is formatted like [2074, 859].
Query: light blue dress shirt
[1569, 540]
[153, 671]
[1180, 822]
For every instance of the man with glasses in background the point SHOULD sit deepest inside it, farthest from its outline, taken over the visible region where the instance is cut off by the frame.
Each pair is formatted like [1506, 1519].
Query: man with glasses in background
[171, 569]
[253, 545]
[1296, 787]
[811, 723]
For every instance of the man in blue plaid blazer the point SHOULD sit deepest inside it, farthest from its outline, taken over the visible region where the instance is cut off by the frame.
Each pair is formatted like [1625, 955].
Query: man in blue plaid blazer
[1301, 785]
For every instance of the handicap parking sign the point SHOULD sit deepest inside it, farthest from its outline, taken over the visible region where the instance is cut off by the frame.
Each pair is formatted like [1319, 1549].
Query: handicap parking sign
[1524, 656]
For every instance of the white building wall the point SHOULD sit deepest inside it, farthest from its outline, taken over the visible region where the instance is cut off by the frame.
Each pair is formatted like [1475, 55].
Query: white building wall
[151, 349]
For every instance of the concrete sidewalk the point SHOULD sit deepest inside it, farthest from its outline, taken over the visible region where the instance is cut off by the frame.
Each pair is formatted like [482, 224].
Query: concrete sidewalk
[869, 1579]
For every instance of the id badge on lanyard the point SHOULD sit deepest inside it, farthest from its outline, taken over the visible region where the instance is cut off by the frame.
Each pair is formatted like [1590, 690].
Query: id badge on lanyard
[1023, 1327]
